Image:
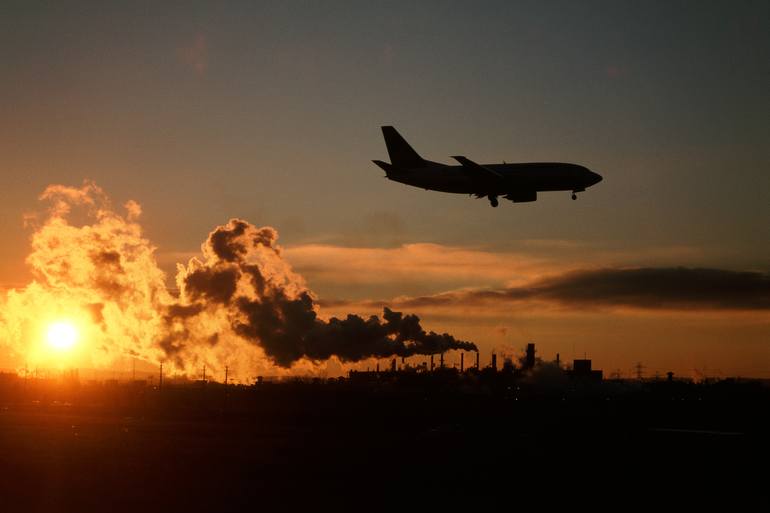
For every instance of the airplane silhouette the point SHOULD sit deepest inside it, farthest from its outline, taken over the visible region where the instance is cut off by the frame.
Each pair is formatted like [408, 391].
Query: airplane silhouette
[514, 182]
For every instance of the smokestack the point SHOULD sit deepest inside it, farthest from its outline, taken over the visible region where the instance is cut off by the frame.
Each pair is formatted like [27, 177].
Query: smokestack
[462, 362]
[530, 361]
[393, 365]
[431, 363]
[494, 362]
[441, 360]
[477, 360]
[558, 362]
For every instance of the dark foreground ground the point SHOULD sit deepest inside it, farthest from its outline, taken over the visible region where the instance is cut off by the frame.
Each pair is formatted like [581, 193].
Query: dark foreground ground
[341, 447]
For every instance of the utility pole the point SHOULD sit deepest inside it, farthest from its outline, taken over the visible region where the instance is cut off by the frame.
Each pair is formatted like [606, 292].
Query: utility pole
[204, 372]
[226, 370]
[639, 369]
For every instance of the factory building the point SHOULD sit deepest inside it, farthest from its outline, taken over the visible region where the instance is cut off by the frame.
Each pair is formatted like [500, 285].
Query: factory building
[581, 369]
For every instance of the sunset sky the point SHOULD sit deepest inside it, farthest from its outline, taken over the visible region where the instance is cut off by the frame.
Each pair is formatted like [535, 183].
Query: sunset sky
[271, 113]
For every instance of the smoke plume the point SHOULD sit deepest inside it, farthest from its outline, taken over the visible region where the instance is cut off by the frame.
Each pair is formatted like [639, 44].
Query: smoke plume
[240, 302]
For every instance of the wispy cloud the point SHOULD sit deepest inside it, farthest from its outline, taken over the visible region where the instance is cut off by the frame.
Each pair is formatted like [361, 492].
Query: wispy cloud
[420, 268]
[427, 269]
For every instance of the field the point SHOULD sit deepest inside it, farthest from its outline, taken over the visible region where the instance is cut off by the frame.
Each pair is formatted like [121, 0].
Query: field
[331, 447]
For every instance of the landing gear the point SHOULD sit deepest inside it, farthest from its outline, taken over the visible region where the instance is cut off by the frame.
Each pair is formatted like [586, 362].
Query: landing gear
[574, 196]
[493, 200]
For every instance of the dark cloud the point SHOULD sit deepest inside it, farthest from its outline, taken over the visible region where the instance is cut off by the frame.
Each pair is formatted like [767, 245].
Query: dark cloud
[355, 338]
[665, 288]
[215, 284]
[269, 305]
[229, 243]
[223, 240]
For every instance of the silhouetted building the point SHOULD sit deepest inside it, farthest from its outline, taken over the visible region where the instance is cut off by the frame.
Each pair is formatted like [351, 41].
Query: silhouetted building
[581, 369]
[529, 361]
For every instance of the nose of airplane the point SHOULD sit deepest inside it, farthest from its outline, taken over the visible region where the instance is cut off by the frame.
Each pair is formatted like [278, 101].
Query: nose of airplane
[594, 178]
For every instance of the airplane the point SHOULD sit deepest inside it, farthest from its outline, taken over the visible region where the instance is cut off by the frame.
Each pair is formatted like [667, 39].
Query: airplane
[515, 182]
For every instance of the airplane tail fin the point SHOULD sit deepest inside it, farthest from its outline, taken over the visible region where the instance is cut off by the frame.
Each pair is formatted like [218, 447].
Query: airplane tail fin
[401, 154]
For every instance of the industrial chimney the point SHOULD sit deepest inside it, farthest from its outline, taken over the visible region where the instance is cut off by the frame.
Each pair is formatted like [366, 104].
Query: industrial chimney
[494, 362]
[530, 360]
[462, 362]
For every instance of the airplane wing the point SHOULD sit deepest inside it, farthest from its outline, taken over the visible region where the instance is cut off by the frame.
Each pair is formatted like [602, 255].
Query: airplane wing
[476, 168]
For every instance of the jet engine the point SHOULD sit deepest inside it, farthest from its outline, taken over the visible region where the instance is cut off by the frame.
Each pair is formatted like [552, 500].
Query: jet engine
[522, 196]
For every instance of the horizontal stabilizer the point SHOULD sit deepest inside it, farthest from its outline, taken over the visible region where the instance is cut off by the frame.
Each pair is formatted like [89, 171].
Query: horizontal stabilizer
[476, 168]
[384, 166]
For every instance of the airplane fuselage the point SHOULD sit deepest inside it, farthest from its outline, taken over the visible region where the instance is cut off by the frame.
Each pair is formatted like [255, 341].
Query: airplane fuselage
[514, 178]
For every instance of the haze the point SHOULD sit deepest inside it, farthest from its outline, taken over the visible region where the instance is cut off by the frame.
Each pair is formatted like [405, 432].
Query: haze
[272, 114]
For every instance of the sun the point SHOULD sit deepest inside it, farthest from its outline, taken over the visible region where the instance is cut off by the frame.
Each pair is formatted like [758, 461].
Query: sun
[62, 335]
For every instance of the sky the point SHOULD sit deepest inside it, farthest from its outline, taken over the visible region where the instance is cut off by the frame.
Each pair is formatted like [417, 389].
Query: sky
[271, 112]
